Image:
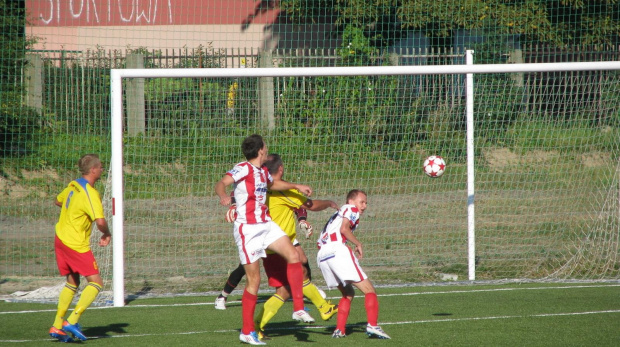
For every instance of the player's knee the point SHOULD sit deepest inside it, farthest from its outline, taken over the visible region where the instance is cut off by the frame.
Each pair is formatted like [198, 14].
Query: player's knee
[366, 287]
[292, 257]
[252, 285]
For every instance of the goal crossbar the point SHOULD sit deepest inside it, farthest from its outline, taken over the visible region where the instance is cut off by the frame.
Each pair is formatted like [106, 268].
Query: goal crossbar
[362, 70]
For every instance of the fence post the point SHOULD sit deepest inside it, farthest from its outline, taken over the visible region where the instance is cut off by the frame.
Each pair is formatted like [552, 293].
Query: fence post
[265, 92]
[394, 59]
[516, 57]
[135, 97]
[33, 72]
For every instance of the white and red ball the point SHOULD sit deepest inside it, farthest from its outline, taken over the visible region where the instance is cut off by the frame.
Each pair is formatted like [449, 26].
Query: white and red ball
[434, 166]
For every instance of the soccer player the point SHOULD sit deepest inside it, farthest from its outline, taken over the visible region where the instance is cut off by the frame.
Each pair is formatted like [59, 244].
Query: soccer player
[254, 231]
[80, 206]
[341, 268]
[237, 274]
[282, 206]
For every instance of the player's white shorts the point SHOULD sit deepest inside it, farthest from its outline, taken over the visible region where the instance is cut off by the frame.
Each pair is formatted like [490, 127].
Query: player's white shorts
[339, 265]
[253, 239]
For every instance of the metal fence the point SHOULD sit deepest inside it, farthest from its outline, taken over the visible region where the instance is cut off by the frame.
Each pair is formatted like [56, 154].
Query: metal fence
[72, 88]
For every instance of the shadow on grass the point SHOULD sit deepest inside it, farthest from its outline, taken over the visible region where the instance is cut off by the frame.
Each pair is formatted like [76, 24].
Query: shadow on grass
[104, 331]
[302, 334]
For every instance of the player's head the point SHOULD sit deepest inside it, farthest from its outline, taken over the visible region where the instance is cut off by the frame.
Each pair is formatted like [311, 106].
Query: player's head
[358, 198]
[274, 163]
[89, 162]
[251, 146]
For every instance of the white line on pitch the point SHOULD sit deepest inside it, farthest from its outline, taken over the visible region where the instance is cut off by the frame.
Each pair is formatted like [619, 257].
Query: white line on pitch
[500, 290]
[447, 320]
[381, 295]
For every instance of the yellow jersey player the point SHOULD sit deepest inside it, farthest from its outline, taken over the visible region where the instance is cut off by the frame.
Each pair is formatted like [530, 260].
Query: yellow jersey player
[80, 206]
[284, 206]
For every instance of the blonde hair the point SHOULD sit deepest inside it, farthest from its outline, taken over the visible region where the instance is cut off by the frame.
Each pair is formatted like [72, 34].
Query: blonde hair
[88, 162]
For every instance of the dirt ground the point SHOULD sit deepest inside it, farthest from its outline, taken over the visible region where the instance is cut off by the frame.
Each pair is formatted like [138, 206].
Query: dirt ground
[18, 193]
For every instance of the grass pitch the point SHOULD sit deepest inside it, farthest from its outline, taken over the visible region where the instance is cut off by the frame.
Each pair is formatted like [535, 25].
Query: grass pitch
[526, 314]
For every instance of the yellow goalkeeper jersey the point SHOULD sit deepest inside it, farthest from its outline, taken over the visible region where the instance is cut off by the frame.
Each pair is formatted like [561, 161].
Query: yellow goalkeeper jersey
[81, 205]
[281, 208]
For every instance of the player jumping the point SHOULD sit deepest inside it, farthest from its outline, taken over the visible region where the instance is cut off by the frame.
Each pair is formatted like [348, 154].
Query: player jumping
[254, 231]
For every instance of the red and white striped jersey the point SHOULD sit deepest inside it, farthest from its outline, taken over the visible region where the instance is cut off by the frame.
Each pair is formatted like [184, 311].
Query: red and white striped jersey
[251, 192]
[331, 230]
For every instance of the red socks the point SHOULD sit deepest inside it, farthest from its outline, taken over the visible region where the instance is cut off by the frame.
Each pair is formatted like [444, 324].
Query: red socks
[248, 305]
[344, 306]
[372, 308]
[295, 275]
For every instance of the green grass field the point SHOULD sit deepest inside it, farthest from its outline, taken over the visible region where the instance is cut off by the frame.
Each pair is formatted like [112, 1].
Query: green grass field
[551, 314]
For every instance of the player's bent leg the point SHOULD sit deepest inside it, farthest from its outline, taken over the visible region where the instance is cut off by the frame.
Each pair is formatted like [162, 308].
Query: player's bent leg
[326, 308]
[303, 258]
[220, 303]
[304, 262]
[64, 301]
[285, 248]
[89, 294]
[295, 275]
[231, 283]
[233, 279]
[266, 312]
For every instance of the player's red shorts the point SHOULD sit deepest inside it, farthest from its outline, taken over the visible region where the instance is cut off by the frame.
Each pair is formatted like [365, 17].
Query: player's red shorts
[70, 261]
[275, 268]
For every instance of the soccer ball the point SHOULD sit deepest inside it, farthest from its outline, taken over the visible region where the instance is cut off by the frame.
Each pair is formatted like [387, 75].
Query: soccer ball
[323, 295]
[434, 166]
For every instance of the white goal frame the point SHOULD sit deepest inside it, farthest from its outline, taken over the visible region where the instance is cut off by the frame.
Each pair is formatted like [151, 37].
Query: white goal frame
[469, 69]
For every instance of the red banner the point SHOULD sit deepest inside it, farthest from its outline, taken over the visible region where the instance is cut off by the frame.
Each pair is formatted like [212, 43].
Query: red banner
[66, 13]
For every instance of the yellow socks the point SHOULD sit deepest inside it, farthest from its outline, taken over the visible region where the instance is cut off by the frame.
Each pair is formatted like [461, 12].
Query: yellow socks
[268, 310]
[312, 292]
[64, 301]
[88, 296]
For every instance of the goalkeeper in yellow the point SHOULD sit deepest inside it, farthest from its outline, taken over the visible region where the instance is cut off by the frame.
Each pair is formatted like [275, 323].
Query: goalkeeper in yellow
[282, 206]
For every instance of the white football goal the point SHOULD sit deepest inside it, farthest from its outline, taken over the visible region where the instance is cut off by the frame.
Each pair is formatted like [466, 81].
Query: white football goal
[531, 190]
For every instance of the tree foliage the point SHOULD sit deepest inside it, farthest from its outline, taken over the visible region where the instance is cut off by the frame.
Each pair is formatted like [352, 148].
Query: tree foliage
[557, 22]
[17, 122]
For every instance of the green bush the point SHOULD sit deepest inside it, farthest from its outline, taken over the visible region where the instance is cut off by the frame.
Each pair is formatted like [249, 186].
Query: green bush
[18, 125]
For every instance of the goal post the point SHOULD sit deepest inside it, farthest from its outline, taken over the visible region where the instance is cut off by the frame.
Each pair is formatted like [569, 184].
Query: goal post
[386, 140]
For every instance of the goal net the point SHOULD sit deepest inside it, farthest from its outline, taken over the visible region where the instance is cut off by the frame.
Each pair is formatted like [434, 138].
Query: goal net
[542, 142]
